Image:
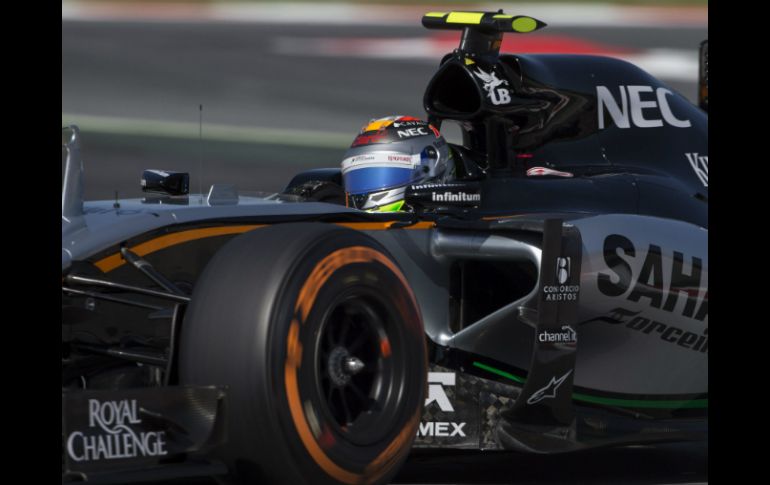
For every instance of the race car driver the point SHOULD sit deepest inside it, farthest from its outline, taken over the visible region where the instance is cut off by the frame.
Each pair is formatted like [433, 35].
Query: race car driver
[388, 155]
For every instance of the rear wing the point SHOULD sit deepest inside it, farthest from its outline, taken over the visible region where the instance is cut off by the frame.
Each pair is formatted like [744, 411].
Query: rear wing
[703, 76]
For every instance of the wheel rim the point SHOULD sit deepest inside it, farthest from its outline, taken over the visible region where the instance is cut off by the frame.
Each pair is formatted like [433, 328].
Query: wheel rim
[357, 373]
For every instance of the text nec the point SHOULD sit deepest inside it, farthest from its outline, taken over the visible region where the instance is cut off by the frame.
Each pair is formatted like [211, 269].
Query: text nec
[412, 132]
[631, 108]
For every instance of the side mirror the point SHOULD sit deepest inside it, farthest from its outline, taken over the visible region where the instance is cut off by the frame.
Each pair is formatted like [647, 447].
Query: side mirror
[165, 182]
[433, 196]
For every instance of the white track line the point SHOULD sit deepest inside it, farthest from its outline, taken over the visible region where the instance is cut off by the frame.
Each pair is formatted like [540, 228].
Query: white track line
[215, 132]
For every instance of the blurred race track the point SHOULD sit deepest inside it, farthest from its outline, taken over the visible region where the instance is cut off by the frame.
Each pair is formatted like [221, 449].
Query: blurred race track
[638, 465]
[642, 465]
[281, 77]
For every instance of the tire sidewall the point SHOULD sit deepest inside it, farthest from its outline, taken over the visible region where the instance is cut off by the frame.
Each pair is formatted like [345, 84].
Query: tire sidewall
[269, 424]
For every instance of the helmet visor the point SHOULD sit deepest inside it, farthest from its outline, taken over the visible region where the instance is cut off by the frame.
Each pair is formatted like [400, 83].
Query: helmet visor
[377, 171]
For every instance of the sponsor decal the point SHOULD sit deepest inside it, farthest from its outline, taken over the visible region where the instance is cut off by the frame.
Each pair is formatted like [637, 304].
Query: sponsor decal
[497, 95]
[651, 112]
[618, 315]
[381, 159]
[410, 132]
[400, 158]
[649, 284]
[455, 197]
[546, 172]
[435, 186]
[562, 291]
[566, 336]
[700, 165]
[437, 397]
[550, 389]
[442, 429]
[362, 158]
[563, 266]
[436, 393]
[402, 124]
[110, 434]
[668, 333]
[370, 139]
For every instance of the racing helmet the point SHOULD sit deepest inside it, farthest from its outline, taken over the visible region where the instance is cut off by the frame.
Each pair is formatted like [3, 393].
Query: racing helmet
[388, 155]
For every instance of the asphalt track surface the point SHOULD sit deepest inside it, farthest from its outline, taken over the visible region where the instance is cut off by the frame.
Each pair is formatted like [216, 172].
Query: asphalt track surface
[639, 465]
[163, 71]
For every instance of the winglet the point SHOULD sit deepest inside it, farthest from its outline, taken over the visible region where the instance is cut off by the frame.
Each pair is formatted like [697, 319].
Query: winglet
[482, 31]
[487, 22]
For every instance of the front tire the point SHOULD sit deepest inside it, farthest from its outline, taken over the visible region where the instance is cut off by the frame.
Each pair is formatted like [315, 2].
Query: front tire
[317, 335]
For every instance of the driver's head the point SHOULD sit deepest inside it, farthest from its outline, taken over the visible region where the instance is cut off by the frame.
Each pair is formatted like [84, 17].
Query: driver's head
[387, 155]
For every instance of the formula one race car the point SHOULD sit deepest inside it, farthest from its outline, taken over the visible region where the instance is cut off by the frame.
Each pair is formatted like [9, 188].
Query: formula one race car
[552, 298]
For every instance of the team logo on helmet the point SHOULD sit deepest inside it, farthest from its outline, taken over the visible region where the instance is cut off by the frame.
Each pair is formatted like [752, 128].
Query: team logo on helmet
[392, 129]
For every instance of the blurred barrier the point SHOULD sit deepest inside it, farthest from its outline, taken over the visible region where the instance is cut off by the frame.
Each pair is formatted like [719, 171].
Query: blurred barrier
[314, 13]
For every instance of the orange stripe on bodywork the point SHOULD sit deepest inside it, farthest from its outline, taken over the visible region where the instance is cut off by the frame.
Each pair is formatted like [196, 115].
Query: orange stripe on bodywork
[307, 295]
[114, 261]
[379, 226]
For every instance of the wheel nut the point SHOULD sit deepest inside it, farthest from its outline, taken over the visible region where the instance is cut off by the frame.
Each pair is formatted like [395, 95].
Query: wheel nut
[352, 366]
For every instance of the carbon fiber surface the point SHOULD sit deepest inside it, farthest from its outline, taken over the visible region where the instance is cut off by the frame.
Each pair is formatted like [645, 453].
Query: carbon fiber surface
[462, 410]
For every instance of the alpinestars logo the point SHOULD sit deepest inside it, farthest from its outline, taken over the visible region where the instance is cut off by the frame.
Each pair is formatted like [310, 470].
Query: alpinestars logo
[119, 440]
[497, 96]
[701, 167]
[549, 391]
[436, 394]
